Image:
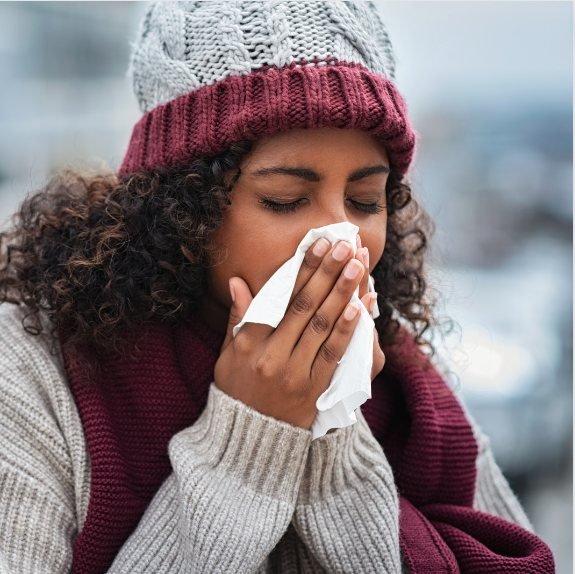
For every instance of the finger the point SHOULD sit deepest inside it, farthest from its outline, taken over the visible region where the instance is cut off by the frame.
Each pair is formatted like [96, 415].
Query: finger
[333, 348]
[368, 301]
[241, 299]
[363, 256]
[378, 356]
[312, 295]
[312, 260]
[323, 321]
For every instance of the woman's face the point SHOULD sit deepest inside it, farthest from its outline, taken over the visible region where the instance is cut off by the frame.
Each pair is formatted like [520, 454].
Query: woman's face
[293, 182]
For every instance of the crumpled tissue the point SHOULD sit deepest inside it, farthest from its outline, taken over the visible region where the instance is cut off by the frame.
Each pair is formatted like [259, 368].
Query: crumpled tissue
[350, 385]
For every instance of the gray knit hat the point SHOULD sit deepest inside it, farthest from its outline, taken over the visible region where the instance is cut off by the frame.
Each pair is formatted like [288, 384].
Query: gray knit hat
[208, 74]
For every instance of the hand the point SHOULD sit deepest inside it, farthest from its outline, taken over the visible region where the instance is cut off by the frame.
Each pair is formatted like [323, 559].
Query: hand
[281, 372]
[369, 300]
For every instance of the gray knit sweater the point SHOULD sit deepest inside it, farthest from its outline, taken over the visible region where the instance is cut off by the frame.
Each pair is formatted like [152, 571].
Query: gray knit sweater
[247, 493]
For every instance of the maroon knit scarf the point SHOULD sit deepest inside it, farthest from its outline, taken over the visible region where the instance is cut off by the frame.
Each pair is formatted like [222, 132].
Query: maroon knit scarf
[135, 405]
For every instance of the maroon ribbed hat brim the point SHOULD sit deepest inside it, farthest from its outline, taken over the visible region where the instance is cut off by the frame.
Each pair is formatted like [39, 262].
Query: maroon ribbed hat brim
[208, 120]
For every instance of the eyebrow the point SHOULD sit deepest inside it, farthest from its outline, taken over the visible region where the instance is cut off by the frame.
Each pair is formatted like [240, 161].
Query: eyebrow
[310, 175]
[307, 174]
[367, 171]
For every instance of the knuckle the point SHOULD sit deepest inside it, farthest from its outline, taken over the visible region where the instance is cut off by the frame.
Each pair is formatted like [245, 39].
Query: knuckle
[319, 324]
[234, 318]
[328, 269]
[242, 343]
[264, 366]
[296, 384]
[302, 303]
[343, 327]
[289, 382]
[307, 264]
[343, 288]
[328, 353]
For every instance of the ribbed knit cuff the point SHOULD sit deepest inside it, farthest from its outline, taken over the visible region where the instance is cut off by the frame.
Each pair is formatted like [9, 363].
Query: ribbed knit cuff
[347, 509]
[263, 453]
[207, 121]
[338, 459]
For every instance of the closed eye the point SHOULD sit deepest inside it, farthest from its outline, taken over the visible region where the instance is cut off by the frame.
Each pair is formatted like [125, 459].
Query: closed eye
[291, 206]
[282, 207]
[371, 208]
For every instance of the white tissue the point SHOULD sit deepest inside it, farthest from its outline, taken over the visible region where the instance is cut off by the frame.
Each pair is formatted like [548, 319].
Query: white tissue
[350, 385]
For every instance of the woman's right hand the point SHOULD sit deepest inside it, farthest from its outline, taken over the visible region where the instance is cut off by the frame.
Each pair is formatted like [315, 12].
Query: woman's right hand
[282, 372]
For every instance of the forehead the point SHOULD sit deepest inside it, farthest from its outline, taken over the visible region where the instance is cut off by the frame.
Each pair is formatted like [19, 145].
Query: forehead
[318, 149]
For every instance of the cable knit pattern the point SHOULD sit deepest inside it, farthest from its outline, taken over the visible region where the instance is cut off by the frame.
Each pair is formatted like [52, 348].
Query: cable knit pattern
[183, 46]
[344, 504]
[208, 74]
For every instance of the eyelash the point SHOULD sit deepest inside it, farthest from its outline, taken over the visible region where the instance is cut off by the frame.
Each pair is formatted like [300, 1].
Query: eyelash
[370, 208]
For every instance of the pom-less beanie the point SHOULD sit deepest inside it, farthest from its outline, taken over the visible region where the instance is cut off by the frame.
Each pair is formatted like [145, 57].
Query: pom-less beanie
[208, 74]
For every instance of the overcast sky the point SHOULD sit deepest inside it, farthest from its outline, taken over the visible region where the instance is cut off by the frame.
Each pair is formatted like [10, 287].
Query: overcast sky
[460, 53]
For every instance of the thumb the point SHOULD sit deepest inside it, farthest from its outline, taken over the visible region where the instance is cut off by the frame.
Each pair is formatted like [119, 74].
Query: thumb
[241, 299]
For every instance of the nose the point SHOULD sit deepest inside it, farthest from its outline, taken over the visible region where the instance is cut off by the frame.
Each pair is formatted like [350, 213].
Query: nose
[332, 210]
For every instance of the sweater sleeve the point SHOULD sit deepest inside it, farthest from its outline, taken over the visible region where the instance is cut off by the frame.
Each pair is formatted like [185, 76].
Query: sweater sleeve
[44, 467]
[493, 494]
[347, 512]
[230, 498]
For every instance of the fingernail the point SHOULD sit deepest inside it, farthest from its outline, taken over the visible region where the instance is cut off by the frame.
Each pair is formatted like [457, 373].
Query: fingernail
[350, 311]
[232, 292]
[366, 257]
[357, 242]
[341, 251]
[321, 247]
[352, 269]
[372, 302]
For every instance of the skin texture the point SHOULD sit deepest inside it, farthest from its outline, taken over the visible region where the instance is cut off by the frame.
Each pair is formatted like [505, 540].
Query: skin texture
[340, 175]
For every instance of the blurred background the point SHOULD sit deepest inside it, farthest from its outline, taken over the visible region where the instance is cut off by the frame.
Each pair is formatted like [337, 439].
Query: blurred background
[489, 86]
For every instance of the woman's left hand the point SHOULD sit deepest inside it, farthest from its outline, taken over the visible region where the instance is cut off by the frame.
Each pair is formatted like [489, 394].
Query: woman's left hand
[368, 300]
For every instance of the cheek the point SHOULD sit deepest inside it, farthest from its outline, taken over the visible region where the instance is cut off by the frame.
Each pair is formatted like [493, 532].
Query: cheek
[250, 247]
[254, 245]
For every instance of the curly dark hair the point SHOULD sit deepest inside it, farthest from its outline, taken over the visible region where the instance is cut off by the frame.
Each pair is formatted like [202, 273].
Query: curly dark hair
[102, 254]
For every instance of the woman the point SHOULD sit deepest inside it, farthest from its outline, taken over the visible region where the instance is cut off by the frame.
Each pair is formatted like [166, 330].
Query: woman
[139, 435]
